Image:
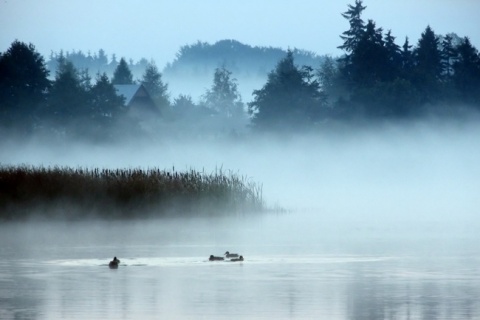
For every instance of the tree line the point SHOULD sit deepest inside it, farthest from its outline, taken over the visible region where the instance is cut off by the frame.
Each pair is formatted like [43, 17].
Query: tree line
[241, 59]
[374, 79]
[72, 103]
[378, 78]
[97, 61]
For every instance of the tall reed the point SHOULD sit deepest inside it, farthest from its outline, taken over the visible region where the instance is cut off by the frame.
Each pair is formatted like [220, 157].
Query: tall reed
[128, 192]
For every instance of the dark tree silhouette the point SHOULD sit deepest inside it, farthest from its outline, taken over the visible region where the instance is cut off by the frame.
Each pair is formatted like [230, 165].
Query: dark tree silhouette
[122, 74]
[330, 80]
[466, 77]
[68, 98]
[369, 59]
[448, 55]
[243, 60]
[158, 90]
[394, 57]
[291, 98]
[105, 104]
[352, 36]
[428, 66]
[23, 84]
[407, 60]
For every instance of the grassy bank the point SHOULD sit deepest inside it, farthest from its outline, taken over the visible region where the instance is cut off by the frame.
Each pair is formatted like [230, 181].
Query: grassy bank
[122, 193]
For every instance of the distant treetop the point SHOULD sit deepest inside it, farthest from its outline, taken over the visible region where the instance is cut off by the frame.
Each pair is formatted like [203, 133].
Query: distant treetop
[236, 57]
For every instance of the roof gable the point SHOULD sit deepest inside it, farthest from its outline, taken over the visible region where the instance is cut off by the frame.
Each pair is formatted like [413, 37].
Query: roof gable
[129, 91]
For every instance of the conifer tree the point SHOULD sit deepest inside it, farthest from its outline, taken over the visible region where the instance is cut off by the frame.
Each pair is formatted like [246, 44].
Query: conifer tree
[122, 73]
[68, 99]
[329, 79]
[158, 90]
[428, 57]
[394, 56]
[448, 55]
[466, 76]
[352, 36]
[291, 98]
[407, 59]
[106, 105]
[23, 84]
[369, 59]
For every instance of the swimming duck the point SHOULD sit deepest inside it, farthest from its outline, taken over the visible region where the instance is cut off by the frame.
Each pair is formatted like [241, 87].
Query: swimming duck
[231, 255]
[213, 258]
[237, 259]
[114, 263]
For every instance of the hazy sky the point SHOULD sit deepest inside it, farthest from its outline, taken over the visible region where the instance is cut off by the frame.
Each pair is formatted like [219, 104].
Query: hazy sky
[155, 29]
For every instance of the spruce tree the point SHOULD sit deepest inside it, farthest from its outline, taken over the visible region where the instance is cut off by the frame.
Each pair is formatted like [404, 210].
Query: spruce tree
[291, 98]
[68, 98]
[448, 55]
[106, 105]
[394, 56]
[329, 79]
[369, 59]
[158, 90]
[428, 65]
[466, 76]
[407, 59]
[352, 36]
[23, 84]
[122, 73]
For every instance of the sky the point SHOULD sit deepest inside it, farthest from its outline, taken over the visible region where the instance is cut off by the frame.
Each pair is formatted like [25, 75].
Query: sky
[156, 29]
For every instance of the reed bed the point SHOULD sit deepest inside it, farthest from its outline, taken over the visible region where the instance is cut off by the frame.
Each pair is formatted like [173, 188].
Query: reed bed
[77, 192]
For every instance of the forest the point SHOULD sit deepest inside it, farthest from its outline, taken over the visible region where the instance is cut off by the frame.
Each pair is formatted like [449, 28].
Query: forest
[375, 79]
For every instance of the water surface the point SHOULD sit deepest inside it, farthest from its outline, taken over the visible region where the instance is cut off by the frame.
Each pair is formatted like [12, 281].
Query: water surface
[295, 268]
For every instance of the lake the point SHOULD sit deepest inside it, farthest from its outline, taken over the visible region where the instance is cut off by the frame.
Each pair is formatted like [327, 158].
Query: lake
[297, 266]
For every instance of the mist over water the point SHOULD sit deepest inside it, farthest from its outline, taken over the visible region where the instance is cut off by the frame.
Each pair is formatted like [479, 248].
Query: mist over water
[380, 221]
[390, 170]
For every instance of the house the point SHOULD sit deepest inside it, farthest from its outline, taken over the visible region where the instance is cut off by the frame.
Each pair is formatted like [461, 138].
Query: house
[137, 99]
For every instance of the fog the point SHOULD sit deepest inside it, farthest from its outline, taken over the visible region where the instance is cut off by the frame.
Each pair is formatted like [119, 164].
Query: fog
[420, 171]
[197, 85]
[379, 220]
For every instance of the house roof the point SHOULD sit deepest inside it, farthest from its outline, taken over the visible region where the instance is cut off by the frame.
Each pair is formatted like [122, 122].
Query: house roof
[128, 91]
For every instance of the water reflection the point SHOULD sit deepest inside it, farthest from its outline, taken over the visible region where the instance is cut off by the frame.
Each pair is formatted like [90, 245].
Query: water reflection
[68, 277]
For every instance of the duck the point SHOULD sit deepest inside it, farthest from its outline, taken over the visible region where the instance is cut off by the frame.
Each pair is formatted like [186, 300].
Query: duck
[231, 255]
[114, 263]
[237, 259]
[213, 258]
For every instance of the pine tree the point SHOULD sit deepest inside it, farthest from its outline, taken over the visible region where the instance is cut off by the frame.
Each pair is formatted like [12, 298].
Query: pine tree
[158, 90]
[23, 83]
[428, 65]
[291, 98]
[369, 60]
[466, 76]
[122, 74]
[407, 59]
[102, 60]
[394, 56]
[448, 55]
[352, 36]
[106, 105]
[68, 98]
[329, 80]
